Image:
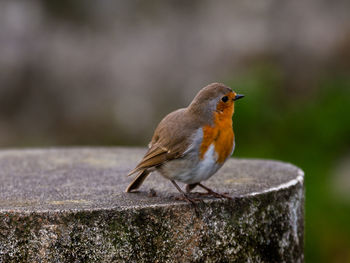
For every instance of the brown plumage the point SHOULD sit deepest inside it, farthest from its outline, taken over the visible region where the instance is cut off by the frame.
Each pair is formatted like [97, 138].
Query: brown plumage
[181, 141]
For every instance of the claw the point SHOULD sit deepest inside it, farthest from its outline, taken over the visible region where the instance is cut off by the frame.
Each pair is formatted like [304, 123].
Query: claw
[193, 201]
[215, 194]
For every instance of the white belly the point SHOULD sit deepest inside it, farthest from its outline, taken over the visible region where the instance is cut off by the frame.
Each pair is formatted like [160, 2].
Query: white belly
[206, 167]
[193, 170]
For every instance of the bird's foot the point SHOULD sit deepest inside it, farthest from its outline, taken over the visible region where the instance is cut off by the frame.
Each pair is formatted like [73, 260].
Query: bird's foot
[215, 194]
[219, 195]
[186, 197]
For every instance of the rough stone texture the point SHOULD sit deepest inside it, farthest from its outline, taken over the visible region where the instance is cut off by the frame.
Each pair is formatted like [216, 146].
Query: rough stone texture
[69, 205]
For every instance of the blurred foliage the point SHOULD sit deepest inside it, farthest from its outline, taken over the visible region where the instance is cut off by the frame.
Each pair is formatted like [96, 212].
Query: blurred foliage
[312, 132]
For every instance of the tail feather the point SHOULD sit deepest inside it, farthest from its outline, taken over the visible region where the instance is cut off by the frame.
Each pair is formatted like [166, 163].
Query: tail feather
[133, 171]
[136, 183]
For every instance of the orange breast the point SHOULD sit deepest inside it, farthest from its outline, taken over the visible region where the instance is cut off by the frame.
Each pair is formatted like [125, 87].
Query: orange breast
[220, 134]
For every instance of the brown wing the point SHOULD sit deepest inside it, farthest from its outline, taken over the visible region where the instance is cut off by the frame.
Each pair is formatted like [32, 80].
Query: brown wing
[170, 140]
[155, 156]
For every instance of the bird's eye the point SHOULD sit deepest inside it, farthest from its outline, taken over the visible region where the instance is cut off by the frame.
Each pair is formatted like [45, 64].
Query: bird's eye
[224, 99]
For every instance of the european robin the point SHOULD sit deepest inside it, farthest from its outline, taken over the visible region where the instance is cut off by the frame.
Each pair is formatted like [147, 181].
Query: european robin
[190, 144]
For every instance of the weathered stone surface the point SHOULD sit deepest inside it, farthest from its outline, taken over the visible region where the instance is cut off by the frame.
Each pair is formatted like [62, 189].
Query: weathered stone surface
[69, 205]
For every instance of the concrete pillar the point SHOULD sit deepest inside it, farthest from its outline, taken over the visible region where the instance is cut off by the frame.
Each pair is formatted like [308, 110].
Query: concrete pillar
[69, 205]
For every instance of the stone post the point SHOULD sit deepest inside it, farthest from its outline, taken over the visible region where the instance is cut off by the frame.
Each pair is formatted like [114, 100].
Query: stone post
[69, 205]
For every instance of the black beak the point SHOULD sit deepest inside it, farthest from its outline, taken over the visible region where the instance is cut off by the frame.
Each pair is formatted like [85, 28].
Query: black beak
[238, 96]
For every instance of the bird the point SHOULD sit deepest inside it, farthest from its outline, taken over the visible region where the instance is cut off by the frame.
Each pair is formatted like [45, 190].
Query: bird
[191, 144]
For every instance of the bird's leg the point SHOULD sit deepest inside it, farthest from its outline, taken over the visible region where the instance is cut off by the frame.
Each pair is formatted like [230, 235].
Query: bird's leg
[211, 192]
[191, 200]
[190, 187]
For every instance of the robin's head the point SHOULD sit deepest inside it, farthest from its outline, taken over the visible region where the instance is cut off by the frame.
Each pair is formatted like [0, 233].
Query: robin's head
[215, 97]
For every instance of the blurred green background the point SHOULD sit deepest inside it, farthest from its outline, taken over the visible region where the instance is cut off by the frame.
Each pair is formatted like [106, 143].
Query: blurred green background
[106, 72]
[313, 132]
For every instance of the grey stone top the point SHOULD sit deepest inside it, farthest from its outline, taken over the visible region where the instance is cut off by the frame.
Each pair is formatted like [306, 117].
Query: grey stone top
[69, 205]
[95, 179]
